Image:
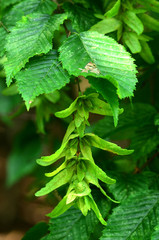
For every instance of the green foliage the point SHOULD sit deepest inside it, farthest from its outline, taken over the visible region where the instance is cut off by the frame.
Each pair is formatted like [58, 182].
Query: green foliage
[87, 46]
[44, 74]
[131, 220]
[30, 42]
[73, 222]
[105, 169]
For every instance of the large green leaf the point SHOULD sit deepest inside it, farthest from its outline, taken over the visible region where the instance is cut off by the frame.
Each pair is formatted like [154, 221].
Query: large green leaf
[134, 218]
[31, 36]
[91, 53]
[22, 9]
[27, 7]
[73, 225]
[127, 185]
[43, 74]
[82, 18]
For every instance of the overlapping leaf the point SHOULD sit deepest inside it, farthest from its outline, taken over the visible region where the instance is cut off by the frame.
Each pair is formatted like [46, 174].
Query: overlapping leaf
[91, 53]
[134, 219]
[72, 225]
[127, 184]
[31, 36]
[109, 92]
[82, 19]
[42, 74]
[22, 9]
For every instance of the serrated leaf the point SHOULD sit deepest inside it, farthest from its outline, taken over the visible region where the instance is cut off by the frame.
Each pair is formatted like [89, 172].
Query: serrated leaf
[114, 10]
[134, 218]
[82, 18]
[31, 36]
[132, 21]
[73, 223]
[43, 74]
[26, 7]
[106, 25]
[127, 185]
[79, 50]
[98, 142]
[155, 234]
[3, 34]
[109, 92]
[22, 9]
[59, 180]
[146, 53]
[132, 41]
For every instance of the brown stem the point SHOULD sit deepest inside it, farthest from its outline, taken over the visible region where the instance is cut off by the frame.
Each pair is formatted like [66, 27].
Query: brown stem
[1, 24]
[68, 33]
[138, 170]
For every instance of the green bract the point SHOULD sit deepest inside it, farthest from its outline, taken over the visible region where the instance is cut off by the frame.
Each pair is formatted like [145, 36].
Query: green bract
[78, 169]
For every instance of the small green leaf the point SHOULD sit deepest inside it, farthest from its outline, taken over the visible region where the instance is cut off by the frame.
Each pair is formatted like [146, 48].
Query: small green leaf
[132, 21]
[146, 53]
[81, 170]
[100, 107]
[70, 130]
[59, 180]
[60, 208]
[68, 111]
[62, 166]
[86, 149]
[98, 142]
[82, 206]
[96, 210]
[150, 22]
[106, 26]
[132, 41]
[114, 10]
[82, 189]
